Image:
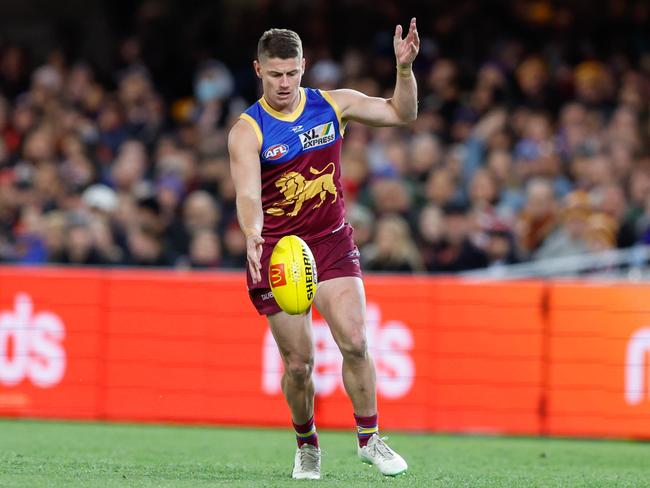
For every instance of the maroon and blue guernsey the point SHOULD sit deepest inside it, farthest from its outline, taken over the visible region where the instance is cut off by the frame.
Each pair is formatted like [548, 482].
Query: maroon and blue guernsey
[300, 166]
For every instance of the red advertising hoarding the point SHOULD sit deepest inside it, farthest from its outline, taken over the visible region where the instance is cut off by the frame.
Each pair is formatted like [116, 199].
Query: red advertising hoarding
[451, 356]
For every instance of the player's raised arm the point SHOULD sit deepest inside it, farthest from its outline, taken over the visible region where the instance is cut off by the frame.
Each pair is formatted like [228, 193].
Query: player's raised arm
[403, 106]
[245, 170]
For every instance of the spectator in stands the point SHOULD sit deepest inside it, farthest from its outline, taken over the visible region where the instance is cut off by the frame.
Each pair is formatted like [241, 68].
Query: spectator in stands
[234, 246]
[425, 154]
[444, 92]
[593, 85]
[511, 196]
[600, 234]
[390, 195]
[609, 199]
[54, 235]
[205, 249]
[569, 238]
[430, 233]
[441, 187]
[393, 248]
[145, 248]
[482, 191]
[533, 84]
[362, 221]
[499, 244]
[129, 168]
[538, 217]
[14, 70]
[200, 212]
[638, 190]
[80, 248]
[455, 251]
[644, 223]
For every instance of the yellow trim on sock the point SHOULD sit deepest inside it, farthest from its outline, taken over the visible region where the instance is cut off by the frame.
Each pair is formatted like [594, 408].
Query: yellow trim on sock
[367, 430]
[307, 434]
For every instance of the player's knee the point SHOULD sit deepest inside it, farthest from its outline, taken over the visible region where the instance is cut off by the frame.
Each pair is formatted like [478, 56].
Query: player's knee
[300, 371]
[355, 347]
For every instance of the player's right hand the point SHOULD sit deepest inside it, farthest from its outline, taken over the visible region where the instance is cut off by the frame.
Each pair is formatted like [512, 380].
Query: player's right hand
[254, 255]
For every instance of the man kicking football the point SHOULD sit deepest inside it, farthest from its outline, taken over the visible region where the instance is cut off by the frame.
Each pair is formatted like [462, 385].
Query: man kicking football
[286, 146]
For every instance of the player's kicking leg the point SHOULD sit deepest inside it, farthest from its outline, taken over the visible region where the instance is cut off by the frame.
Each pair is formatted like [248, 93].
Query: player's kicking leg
[341, 301]
[292, 333]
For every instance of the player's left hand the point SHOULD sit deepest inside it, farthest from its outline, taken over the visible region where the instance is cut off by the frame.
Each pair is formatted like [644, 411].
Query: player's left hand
[406, 49]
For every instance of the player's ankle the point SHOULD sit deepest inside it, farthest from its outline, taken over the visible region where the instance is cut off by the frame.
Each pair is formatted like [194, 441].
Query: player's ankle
[306, 433]
[367, 426]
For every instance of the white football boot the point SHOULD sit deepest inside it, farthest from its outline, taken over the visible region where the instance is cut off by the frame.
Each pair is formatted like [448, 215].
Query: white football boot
[377, 452]
[306, 465]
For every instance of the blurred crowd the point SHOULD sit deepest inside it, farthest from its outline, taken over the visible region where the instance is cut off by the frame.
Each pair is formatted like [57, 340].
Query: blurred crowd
[531, 142]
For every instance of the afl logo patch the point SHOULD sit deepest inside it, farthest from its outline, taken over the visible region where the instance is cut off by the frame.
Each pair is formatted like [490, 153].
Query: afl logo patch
[276, 152]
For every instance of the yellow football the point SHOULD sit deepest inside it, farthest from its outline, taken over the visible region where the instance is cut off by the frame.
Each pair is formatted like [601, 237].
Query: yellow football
[292, 275]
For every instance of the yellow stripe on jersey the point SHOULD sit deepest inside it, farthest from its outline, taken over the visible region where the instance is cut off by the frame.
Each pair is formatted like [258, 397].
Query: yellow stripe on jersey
[254, 125]
[336, 108]
[286, 117]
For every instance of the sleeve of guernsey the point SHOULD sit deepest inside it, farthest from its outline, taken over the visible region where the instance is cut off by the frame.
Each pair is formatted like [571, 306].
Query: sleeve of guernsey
[253, 123]
[337, 110]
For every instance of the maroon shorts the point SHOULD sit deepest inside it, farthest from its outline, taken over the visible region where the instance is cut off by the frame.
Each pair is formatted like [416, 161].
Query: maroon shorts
[336, 256]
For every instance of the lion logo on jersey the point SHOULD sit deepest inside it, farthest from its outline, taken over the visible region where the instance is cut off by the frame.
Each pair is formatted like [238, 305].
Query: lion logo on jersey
[297, 190]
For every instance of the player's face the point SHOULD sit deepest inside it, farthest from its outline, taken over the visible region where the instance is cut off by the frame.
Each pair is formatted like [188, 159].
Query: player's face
[281, 81]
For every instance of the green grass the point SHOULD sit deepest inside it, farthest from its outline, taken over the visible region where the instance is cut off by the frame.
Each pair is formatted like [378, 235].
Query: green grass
[60, 454]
